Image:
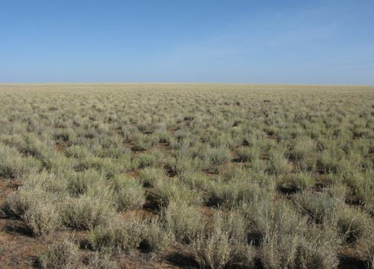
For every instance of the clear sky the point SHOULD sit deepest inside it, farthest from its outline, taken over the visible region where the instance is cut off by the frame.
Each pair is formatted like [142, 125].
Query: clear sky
[270, 41]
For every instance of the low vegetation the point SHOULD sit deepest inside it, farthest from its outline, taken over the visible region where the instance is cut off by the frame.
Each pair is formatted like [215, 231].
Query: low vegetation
[226, 176]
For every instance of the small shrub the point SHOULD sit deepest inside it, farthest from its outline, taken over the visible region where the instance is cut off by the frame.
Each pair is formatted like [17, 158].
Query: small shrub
[167, 191]
[337, 191]
[361, 184]
[214, 251]
[162, 135]
[102, 261]
[370, 255]
[353, 224]
[304, 147]
[184, 164]
[290, 242]
[318, 206]
[88, 210]
[64, 255]
[129, 193]
[37, 208]
[317, 249]
[218, 156]
[297, 182]
[248, 154]
[149, 176]
[146, 160]
[224, 243]
[42, 218]
[78, 183]
[195, 180]
[118, 235]
[64, 135]
[154, 237]
[143, 142]
[18, 203]
[229, 194]
[13, 165]
[281, 231]
[278, 163]
[328, 162]
[183, 221]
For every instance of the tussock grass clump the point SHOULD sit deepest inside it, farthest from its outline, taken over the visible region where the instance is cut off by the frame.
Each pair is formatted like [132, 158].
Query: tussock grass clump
[89, 210]
[223, 246]
[218, 156]
[297, 181]
[217, 251]
[185, 222]
[78, 183]
[147, 159]
[162, 135]
[370, 255]
[361, 185]
[63, 255]
[228, 194]
[102, 261]
[214, 251]
[318, 249]
[144, 142]
[303, 148]
[278, 163]
[248, 154]
[155, 237]
[328, 162]
[168, 190]
[184, 163]
[195, 180]
[78, 151]
[289, 242]
[42, 218]
[124, 235]
[337, 191]
[129, 193]
[280, 236]
[64, 135]
[353, 224]
[117, 235]
[13, 165]
[234, 193]
[318, 206]
[149, 176]
[36, 206]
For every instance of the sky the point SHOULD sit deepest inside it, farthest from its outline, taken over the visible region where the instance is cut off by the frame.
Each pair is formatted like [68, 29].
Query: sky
[269, 41]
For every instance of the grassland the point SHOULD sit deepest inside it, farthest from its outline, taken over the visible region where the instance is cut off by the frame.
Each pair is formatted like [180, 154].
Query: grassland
[186, 175]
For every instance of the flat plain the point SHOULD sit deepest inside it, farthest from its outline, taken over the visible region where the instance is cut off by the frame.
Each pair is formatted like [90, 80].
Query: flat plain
[186, 176]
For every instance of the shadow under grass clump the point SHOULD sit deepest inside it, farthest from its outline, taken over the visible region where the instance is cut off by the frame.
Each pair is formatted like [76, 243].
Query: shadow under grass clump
[153, 203]
[18, 227]
[351, 263]
[287, 190]
[85, 244]
[182, 260]
[7, 213]
[254, 238]
[214, 202]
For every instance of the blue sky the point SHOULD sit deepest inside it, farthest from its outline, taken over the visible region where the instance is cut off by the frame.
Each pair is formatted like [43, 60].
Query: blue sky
[270, 41]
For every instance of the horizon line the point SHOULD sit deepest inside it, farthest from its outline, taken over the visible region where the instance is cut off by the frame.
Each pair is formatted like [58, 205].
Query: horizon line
[222, 83]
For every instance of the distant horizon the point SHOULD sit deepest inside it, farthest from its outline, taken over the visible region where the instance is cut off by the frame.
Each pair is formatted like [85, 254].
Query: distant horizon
[319, 42]
[220, 83]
